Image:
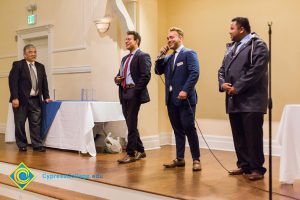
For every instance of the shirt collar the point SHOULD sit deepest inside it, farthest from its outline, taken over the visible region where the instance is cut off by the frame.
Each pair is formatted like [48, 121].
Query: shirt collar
[132, 53]
[245, 39]
[30, 63]
[179, 48]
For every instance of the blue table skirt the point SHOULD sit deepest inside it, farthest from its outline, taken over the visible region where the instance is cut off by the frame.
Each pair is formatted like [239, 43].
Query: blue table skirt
[49, 111]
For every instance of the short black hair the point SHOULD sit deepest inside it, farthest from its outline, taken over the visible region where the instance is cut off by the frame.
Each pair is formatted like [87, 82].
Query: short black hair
[28, 46]
[243, 22]
[136, 36]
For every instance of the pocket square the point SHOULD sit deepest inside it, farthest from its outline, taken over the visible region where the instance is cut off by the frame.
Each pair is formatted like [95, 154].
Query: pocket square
[179, 64]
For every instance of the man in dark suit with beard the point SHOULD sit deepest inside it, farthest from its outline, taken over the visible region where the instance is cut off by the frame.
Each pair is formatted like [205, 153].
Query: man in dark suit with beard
[181, 71]
[132, 79]
[28, 87]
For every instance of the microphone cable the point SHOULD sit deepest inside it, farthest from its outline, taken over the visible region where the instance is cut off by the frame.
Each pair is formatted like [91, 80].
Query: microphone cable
[210, 150]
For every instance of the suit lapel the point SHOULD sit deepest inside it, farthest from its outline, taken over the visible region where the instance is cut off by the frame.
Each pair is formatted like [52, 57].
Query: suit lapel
[134, 59]
[237, 53]
[26, 70]
[180, 54]
[38, 72]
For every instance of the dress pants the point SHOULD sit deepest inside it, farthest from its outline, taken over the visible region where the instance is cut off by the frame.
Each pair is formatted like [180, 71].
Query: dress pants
[33, 112]
[130, 107]
[247, 133]
[182, 121]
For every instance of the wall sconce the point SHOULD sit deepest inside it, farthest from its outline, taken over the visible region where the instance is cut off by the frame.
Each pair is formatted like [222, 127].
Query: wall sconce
[103, 24]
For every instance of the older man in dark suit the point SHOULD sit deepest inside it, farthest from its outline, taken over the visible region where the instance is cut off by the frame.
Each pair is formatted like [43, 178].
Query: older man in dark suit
[28, 87]
[132, 79]
[181, 70]
[243, 76]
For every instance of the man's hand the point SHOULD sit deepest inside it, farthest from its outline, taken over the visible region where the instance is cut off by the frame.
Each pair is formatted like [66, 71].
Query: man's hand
[164, 50]
[15, 103]
[229, 89]
[48, 100]
[226, 87]
[182, 95]
[119, 79]
[232, 91]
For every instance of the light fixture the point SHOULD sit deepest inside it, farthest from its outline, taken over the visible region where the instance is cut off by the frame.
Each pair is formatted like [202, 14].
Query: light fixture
[103, 24]
[31, 7]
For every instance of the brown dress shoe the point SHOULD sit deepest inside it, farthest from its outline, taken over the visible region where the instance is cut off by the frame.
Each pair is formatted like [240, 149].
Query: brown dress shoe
[196, 165]
[254, 176]
[238, 171]
[139, 155]
[175, 163]
[127, 159]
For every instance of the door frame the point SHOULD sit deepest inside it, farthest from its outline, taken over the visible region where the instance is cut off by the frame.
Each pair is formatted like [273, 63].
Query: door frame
[37, 32]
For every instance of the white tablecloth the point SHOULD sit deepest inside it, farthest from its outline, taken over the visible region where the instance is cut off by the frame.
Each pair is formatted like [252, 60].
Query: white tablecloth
[73, 124]
[288, 136]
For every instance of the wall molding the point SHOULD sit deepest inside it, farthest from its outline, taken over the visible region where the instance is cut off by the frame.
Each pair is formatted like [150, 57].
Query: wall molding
[72, 69]
[85, 12]
[4, 74]
[12, 55]
[62, 70]
[72, 48]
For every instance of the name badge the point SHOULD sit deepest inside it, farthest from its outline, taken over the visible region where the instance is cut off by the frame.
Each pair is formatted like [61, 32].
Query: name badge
[179, 64]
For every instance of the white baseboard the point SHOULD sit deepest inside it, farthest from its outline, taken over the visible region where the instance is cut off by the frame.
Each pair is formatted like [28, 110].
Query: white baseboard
[2, 128]
[216, 142]
[166, 138]
[151, 142]
[224, 143]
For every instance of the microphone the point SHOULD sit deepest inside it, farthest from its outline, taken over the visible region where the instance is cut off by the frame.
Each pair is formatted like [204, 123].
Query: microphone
[163, 53]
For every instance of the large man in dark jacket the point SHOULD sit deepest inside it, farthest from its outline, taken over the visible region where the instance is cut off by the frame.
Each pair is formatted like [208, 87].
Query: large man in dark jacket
[28, 84]
[243, 76]
[133, 78]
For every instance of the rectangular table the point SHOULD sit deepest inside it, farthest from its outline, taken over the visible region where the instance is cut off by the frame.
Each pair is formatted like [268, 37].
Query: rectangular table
[72, 127]
[288, 136]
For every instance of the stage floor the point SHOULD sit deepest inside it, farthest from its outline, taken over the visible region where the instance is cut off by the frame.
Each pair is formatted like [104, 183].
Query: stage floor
[148, 175]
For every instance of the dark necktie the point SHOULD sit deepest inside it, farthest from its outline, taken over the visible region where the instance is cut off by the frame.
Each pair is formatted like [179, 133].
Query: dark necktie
[236, 44]
[125, 71]
[173, 60]
[33, 78]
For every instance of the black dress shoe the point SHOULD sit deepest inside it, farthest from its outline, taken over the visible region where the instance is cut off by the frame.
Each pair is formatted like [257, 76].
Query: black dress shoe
[238, 171]
[39, 149]
[254, 176]
[175, 163]
[139, 155]
[22, 149]
[127, 159]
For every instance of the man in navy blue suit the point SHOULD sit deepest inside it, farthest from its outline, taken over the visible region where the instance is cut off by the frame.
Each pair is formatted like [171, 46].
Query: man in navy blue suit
[181, 70]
